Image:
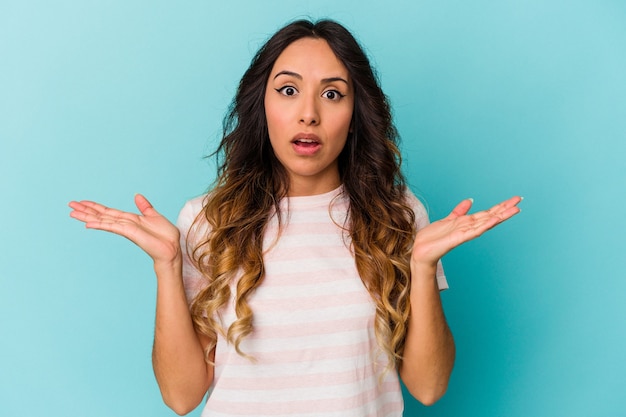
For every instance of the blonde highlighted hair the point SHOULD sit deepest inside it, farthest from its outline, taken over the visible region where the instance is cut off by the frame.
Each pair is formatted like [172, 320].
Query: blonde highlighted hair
[251, 182]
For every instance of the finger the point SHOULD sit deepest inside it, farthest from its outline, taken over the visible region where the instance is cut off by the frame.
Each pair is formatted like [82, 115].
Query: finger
[507, 204]
[80, 215]
[79, 206]
[99, 210]
[501, 210]
[483, 222]
[91, 211]
[144, 205]
[511, 202]
[505, 209]
[92, 205]
[82, 212]
[508, 213]
[74, 204]
[461, 209]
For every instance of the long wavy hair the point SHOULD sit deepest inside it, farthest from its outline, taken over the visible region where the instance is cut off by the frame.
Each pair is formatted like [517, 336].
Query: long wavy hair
[251, 182]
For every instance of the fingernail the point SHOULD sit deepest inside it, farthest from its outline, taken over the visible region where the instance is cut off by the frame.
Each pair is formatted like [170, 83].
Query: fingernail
[471, 199]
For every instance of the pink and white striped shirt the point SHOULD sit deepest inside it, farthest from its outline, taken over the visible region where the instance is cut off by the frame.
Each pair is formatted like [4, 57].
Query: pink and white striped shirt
[314, 348]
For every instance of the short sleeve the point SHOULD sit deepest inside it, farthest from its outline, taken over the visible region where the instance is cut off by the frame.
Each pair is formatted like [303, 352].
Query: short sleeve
[193, 279]
[421, 220]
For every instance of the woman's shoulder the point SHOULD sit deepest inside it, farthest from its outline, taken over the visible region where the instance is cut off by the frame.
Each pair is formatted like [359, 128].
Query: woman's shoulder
[190, 211]
[420, 211]
[194, 205]
[415, 203]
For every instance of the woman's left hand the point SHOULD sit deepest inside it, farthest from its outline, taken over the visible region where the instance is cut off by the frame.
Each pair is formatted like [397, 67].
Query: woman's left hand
[440, 237]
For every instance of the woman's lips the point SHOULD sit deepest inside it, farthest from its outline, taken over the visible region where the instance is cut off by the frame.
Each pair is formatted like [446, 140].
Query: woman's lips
[306, 144]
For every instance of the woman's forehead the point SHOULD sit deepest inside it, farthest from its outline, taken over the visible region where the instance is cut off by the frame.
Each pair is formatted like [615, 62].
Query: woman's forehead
[310, 57]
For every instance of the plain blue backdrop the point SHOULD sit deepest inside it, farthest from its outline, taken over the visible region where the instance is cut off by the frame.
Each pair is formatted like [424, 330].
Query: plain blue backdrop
[103, 99]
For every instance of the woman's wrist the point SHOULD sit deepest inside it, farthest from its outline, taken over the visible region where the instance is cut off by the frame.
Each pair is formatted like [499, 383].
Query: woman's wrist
[169, 267]
[423, 271]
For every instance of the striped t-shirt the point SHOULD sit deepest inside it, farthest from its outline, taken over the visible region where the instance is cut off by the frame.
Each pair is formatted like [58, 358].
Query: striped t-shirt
[314, 348]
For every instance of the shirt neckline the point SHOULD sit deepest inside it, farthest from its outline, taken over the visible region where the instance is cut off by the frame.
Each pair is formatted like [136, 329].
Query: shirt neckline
[309, 201]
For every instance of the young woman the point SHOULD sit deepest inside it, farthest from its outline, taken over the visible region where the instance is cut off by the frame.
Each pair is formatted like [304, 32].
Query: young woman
[308, 278]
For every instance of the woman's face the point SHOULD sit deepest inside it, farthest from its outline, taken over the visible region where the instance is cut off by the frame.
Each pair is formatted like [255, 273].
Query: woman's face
[309, 102]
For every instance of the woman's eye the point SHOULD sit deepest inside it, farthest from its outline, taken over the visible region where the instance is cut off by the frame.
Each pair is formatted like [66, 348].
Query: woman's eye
[287, 91]
[332, 94]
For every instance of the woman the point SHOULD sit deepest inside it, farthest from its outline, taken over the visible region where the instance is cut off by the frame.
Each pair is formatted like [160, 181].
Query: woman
[299, 284]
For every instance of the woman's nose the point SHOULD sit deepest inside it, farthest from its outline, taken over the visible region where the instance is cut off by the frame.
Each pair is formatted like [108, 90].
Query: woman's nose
[309, 113]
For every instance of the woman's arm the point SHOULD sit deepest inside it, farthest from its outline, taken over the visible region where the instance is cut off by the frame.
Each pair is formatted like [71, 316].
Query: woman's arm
[178, 357]
[429, 350]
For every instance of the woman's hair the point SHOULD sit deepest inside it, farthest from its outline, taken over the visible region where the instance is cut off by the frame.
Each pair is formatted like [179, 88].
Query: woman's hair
[251, 182]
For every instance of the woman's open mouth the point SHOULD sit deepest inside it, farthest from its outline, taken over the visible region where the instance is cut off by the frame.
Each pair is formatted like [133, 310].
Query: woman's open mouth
[306, 144]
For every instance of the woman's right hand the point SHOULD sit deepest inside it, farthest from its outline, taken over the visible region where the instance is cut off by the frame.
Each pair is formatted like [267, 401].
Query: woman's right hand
[152, 232]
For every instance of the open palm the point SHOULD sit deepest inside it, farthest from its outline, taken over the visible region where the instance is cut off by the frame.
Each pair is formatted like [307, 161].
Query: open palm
[152, 232]
[440, 237]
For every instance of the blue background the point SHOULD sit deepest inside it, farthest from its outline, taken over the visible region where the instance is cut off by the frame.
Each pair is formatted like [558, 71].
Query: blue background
[103, 99]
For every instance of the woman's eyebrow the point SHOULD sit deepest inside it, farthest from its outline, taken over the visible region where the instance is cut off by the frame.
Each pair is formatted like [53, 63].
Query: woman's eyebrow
[298, 76]
[289, 73]
[333, 79]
